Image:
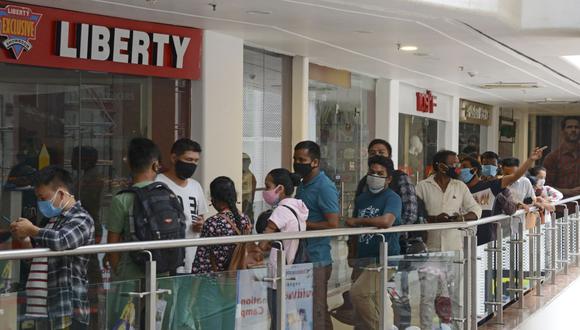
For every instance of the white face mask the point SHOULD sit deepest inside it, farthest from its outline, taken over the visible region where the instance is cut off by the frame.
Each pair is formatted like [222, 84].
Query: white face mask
[376, 183]
[541, 182]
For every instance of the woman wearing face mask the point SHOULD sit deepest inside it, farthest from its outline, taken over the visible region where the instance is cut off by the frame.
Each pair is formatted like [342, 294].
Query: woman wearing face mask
[289, 215]
[216, 306]
[547, 193]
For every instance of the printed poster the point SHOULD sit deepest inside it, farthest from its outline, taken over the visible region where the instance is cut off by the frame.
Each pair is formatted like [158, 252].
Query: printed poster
[252, 301]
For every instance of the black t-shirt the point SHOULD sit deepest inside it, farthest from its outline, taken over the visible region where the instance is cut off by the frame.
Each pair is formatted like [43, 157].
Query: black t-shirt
[485, 193]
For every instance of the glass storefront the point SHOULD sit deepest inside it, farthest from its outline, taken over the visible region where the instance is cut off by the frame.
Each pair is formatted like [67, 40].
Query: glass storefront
[417, 145]
[342, 130]
[83, 122]
[469, 139]
[267, 94]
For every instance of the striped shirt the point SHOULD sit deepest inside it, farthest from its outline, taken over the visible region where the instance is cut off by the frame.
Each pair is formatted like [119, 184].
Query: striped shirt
[67, 282]
[36, 286]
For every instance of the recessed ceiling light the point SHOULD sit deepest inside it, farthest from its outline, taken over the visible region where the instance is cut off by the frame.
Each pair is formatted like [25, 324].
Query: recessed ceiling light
[573, 59]
[407, 48]
[258, 12]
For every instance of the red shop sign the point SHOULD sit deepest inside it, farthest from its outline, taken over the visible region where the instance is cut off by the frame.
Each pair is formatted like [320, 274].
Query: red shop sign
[426, 102]
[57, 38]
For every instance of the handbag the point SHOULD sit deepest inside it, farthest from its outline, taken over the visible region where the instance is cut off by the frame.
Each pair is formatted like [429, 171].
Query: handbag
[245, 256]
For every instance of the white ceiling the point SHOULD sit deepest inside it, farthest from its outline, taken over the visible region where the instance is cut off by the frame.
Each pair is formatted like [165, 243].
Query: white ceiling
[329, 33]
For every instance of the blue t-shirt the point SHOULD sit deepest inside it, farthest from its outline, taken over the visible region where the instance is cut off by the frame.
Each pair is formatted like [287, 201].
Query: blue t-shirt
[369, 205]
[321, 197]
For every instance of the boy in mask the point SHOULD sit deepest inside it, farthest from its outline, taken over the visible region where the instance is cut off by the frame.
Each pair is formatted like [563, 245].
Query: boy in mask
[487, 193]
[57, 286]
[378, 207]
[185, 155]
[321, 198]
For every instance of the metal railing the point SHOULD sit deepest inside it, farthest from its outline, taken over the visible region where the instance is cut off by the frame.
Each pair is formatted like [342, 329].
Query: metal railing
[558, 229]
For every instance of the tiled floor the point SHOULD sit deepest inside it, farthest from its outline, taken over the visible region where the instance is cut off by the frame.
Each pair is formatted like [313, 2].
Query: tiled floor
[556, 309]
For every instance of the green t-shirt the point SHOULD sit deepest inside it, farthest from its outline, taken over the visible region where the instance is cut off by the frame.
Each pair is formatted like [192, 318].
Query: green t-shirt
[118, 222]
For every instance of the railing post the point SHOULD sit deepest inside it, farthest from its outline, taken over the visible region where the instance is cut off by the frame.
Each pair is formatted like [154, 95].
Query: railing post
[470, 278]
[512, 242]
[576, 233]
[520, 255]
[499, 273]
[531, 237]
[383, 297]
[553, 230]
[280, 289]
[538, 273]
[151, 296]
[565, 242]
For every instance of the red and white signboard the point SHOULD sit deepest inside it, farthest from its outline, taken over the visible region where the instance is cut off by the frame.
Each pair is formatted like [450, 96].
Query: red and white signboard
[57, 38]
[426, 102]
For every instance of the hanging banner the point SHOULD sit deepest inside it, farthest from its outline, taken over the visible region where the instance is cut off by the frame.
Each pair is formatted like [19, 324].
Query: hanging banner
[252, 302]
[48, 37]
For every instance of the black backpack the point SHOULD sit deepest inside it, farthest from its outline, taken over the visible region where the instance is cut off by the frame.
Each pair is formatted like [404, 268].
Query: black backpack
[302, 256]
[157, 215]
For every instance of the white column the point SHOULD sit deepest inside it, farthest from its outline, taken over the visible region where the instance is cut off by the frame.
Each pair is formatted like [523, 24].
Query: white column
[300, 74]
[387, 114]
[522, 136]
[452, 127]
[217, 106]
[493, 131]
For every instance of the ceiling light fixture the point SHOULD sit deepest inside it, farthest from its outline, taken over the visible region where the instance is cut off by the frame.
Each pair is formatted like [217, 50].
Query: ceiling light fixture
[573, 59]
[407, 48]
[509, 85]
[258, 12]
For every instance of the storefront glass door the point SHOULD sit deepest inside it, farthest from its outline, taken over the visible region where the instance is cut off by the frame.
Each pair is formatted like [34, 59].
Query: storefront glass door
[81, 121]
[341, 117]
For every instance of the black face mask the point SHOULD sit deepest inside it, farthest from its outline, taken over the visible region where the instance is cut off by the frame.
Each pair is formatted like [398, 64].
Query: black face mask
[451, 172]
[302, 169]
[184, 170]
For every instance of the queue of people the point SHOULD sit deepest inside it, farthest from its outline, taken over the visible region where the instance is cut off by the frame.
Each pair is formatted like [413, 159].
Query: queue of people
[459, 189]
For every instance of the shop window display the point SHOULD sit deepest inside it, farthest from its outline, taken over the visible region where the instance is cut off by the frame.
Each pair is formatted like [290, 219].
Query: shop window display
[417, 145]
[83, 122]
[469, 139]
[342, 132]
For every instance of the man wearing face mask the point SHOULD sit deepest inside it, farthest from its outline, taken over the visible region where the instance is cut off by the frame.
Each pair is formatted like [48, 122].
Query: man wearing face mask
[486, 193]
[378, 207]
[447, 199]
[185, 155]
[57, 287]
[144, 158]
[321, 198]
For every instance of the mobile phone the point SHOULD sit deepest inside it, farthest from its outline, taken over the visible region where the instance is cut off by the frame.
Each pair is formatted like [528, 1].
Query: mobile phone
[543, 148]
[195, 218]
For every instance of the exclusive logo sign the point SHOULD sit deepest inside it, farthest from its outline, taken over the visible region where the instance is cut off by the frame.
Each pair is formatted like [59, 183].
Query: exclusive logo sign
[18, 27]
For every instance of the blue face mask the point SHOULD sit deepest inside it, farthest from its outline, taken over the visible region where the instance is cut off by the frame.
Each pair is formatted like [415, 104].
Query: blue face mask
[489, 170]
[466, 175]
[49, 210]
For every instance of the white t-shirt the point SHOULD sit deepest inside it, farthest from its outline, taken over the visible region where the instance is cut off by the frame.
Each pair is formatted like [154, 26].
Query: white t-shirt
[194, 203]
[522, 189]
